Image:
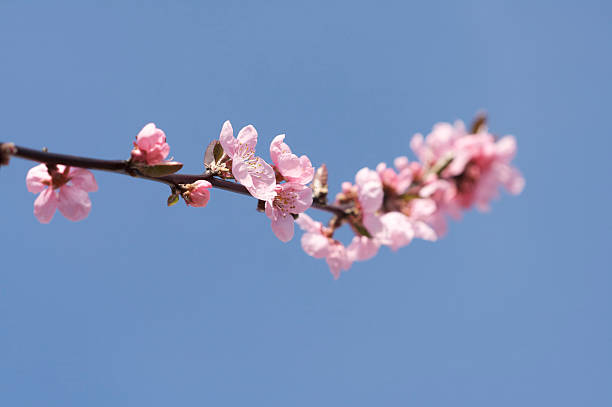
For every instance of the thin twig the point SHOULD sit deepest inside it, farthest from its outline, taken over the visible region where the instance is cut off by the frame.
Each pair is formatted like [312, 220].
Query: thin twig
[124, 167]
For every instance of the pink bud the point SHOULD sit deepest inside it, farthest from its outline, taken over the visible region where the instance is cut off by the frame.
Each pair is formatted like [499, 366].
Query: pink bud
[150, 146]
[198, 194]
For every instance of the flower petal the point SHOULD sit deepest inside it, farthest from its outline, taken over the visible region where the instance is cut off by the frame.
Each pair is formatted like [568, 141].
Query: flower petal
[362, 248]
[228, 142]
[315, 244]
[35, 178]
[278, 147]
[423, 231]
[74, 203]
[505, 148]
[248, 136]
[338, 259]
[240, 170]
[83, 179]
[263, 179]
[282, 227]
[306, 223]
[45, 205]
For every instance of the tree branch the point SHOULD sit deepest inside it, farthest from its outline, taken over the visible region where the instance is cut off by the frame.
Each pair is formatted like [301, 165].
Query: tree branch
[124, 167]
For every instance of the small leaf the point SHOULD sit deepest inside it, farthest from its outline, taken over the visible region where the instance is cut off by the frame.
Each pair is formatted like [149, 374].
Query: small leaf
[218, 151]
[209, 156]
[359, 228]
[407, 197]
[479, 122]
[173, 199]
[161, 169]
[441, 165]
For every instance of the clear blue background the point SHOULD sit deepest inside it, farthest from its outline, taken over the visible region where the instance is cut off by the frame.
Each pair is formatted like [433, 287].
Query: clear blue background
[146, 305]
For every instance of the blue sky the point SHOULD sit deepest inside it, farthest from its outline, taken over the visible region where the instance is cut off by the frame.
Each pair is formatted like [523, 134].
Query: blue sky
[146, 305]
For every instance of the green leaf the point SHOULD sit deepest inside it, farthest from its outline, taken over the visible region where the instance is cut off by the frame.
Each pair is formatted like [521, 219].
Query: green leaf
[173, 199]
[209, 156]
[161, 169]
[359, 228]
[217, 151]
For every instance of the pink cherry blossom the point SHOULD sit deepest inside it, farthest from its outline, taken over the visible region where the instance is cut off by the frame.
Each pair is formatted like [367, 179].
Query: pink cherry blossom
[317, 244]
[198, 194]
[419, 212]
[477, 164]
[369, 190]
[443, 193]
[486, 167]
[290, 198]
[439, 144]
[150, 146]
[362, 248]
[397, 182]
[292, 168]
[251, 171]
[65, 189]
[397, 230]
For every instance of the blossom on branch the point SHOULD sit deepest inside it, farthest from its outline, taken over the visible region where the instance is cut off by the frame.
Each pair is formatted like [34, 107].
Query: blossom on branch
[291, 199]
[292, 168]
[150, 146]
[318, 244]
[62, 188]
[457, 169]
[198, 193]
[251, 171]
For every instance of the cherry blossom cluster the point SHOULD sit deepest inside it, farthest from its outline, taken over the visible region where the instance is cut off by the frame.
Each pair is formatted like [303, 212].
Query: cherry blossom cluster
[456, 170]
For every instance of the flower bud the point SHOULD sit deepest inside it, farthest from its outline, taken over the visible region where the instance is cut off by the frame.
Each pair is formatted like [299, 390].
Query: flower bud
[197, 194]
[150, 146]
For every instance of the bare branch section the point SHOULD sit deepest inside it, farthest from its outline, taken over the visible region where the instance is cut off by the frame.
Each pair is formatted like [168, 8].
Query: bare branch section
[124, 167]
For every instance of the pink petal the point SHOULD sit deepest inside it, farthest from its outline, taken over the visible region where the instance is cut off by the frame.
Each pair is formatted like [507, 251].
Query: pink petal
[401, 163]
[200, 194]
[506, 148]
[457, 166]
[278, 147]
[45, 205]
[240, 169]
[369, 187]
[74, 203]
[370, 196]
[422, 208]
[300, 196]
[315, 244]
[282, 227]
[424, 231]
[366, 175]
[248, 136]
[398, 230]
[337, 259]
[149, 136]
[404, 180]
[417, 145]
[307, 224]
[35, 178]
[374, 225]
[307, 173]
[262, 178]
[228, 142]
[362, 248]
[289, 165]
[83, 179]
